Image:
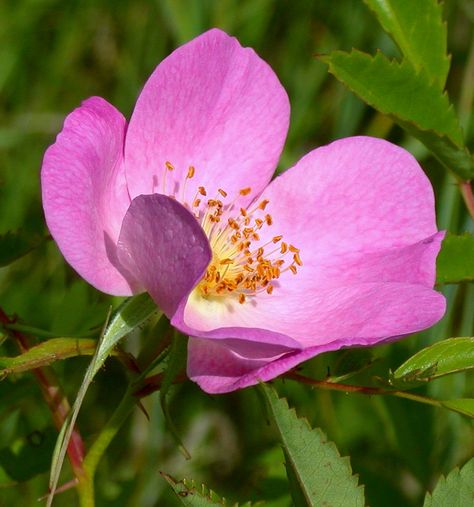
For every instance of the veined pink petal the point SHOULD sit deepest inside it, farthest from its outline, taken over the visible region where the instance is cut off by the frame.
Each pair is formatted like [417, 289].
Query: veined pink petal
[213, 105]
[164, 248]
[85, 195]
[349, 317]
[366, 311]
[358, 194]
[217, 369]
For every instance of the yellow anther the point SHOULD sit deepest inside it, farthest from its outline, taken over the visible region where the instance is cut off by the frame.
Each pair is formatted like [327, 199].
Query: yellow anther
[242, 298]
[222, 192]
[169, 166]
[191, 171]
[202, 190]
[263, 204]
[245, 191]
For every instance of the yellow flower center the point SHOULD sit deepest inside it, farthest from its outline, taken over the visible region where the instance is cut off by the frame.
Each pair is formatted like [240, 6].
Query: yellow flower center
[241, 264]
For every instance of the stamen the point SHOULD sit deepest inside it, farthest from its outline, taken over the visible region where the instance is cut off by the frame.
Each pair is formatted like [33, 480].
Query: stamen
[242, 266]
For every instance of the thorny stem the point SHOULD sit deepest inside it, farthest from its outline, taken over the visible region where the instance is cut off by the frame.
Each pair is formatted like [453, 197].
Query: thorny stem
[466, 192]
[370, 391]
[53, 395]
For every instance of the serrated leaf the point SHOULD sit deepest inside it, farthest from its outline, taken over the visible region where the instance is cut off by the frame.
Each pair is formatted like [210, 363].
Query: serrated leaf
[419, 31]
[416, 104]
[464, 406]
[318, 472]
[443, 358]
[14, 245]
[130, 315]
[176, 363]
[192, 495]
[46, 353]
[456, 490]
[455, 262]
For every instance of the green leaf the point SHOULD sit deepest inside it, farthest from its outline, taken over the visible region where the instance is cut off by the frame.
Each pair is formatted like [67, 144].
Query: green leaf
[14, 245]
[455, 261]
[192, 495]
[418, 29]
[130, 315]
[443, 358]
[46, 353]
[410, 99]
[318, 476]
[456, 490]
[464, 406]
[176, 364]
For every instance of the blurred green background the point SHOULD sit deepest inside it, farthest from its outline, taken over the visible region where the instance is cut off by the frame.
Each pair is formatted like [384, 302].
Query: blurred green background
[55, 53]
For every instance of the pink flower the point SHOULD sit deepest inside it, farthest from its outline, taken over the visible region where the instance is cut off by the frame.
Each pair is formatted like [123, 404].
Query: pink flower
[338, 251]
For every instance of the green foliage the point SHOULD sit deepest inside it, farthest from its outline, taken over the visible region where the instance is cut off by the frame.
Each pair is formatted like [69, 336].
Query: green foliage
[406, 95]
[419, 31]
[175, 366]
[28, 456]
[464, 406]
[455, 490]
[192, 495]
[14, 245]
[317, 473]
[129, 316]
[46, 353]
[455, 261]
[443, 358]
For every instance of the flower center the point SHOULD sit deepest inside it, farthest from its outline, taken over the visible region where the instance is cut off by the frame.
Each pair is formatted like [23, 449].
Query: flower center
[242, 265]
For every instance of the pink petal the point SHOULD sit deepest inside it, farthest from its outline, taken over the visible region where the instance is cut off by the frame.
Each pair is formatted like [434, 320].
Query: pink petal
[164, 248]
[349, 319]
[217, 369]
[85, 195]
[358, 194]
[211, 104]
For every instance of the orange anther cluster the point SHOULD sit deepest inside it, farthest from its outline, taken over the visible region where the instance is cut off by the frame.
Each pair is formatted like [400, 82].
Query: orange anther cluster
[242, 265]
[237, 266]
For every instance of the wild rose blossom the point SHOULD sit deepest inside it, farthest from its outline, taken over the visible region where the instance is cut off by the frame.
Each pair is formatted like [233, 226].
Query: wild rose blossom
[338, 251]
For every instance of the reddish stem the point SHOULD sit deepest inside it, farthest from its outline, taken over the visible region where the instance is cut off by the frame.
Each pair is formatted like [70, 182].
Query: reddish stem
[335, 386]
[55, 399]
[466, 192]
